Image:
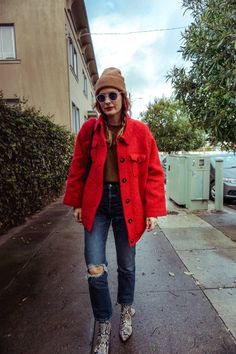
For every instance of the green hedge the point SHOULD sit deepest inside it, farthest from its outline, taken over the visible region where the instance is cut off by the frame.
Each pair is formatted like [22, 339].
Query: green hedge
[35, 155]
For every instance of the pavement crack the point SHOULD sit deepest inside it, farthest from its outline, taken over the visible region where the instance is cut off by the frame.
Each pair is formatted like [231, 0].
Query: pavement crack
[173, 293]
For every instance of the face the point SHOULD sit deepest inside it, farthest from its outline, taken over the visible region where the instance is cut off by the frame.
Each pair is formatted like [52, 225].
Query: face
[110, 101]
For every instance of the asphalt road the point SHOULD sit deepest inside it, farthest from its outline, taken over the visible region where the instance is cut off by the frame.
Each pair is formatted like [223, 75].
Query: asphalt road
[230, 204]
[45, 307]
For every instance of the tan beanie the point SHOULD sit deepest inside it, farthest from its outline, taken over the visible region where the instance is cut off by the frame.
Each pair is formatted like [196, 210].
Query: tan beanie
[111, 77]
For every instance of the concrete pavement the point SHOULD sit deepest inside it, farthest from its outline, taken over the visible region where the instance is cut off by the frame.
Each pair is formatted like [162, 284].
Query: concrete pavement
[208, 253]
[185, 289]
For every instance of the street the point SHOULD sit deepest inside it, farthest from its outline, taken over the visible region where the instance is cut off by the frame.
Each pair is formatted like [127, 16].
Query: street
[45, 307]
[231, 204]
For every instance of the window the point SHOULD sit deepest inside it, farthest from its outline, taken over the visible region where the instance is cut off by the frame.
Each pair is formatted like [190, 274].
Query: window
[7, 42]
[73, 57]
[75, 118]
[11, 101]
[85, 90]
[71, 49]
[75, 67]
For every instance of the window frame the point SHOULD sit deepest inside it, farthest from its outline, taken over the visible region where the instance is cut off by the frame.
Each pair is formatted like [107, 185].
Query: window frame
[12, 101]
[73, 58]
[75, 118]
[13, 41]
[85, 84]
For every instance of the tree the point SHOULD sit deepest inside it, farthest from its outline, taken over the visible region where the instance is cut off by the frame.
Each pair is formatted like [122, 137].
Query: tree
[208, 87]
[170, 126]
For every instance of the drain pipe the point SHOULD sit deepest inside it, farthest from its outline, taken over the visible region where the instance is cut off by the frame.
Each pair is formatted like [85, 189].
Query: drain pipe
[219, 173]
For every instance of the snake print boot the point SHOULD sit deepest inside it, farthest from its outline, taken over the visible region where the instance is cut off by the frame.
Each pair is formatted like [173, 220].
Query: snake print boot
[103, 337]
[127, 312]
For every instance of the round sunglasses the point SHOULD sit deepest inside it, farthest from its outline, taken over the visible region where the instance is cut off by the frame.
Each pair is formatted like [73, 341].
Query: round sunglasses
[111, 95]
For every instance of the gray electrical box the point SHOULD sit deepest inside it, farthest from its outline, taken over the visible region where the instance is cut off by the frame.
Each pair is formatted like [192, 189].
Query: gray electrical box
[176, 178]
[188, 180]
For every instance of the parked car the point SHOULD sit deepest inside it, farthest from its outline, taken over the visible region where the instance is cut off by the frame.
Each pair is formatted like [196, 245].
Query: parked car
[162, 156]
[229, 175]
[163, 164]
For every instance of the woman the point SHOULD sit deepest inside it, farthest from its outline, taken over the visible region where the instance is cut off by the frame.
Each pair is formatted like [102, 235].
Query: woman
[125, 187]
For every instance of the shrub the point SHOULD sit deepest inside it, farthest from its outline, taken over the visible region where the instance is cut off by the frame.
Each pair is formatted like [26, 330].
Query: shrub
[35, 155]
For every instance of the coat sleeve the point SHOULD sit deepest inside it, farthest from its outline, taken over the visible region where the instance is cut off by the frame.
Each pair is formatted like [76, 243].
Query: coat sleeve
[155, 204]
[75, 183]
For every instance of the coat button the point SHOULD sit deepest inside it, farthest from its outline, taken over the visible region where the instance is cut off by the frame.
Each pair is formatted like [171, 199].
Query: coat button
[127, 200]
[122, 159]
[124, 180]
[131, 241]
[130, 221]
[121, 140]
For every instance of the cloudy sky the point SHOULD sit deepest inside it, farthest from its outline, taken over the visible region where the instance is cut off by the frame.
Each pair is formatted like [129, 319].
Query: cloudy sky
[144, 58]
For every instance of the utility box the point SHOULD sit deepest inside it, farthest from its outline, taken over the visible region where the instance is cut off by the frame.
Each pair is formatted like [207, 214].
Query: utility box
[188, 180]
[176, 178]
[198, 180]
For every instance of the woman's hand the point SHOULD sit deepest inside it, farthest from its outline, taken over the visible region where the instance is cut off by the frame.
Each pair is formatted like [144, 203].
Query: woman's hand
[151, 223]
[77, 214]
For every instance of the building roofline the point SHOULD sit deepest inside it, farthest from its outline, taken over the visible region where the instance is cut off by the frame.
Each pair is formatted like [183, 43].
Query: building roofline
[80, 19]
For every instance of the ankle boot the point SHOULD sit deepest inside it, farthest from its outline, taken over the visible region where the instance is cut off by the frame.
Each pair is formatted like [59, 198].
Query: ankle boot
[127, 312]
[103, 338]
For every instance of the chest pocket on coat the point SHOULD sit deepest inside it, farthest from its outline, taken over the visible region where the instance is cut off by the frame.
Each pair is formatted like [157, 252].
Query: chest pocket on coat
[138, 163]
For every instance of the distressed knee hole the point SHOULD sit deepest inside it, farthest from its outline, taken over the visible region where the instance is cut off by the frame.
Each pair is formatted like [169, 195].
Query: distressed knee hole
[96, 271]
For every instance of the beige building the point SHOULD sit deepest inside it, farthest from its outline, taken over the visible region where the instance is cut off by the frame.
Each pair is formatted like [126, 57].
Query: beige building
[47, 57]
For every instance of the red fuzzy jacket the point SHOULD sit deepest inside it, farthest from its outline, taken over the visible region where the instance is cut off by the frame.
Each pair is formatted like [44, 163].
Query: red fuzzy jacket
[140, 172]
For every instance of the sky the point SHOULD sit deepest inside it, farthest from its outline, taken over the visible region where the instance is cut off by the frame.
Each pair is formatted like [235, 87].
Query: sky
[143, 58]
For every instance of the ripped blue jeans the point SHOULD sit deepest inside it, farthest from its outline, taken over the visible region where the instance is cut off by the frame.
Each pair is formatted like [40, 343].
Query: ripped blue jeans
[109, 211]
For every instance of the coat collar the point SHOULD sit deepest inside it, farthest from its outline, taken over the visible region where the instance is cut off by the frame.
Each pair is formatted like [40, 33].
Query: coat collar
[127, 135]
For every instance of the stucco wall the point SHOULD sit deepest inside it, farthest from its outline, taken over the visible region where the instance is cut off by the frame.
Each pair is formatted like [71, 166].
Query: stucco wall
[42, 73]
[76, 85]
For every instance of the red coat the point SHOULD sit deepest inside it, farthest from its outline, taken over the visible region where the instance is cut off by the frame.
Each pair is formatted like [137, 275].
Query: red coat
[140, 171]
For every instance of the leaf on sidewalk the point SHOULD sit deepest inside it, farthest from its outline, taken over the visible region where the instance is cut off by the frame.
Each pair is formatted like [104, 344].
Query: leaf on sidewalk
[23, 240]
[189, 273]
[171, 274]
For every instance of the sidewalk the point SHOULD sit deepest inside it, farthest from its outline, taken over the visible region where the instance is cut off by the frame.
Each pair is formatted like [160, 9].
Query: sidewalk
[44, 300]
[204, 242]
